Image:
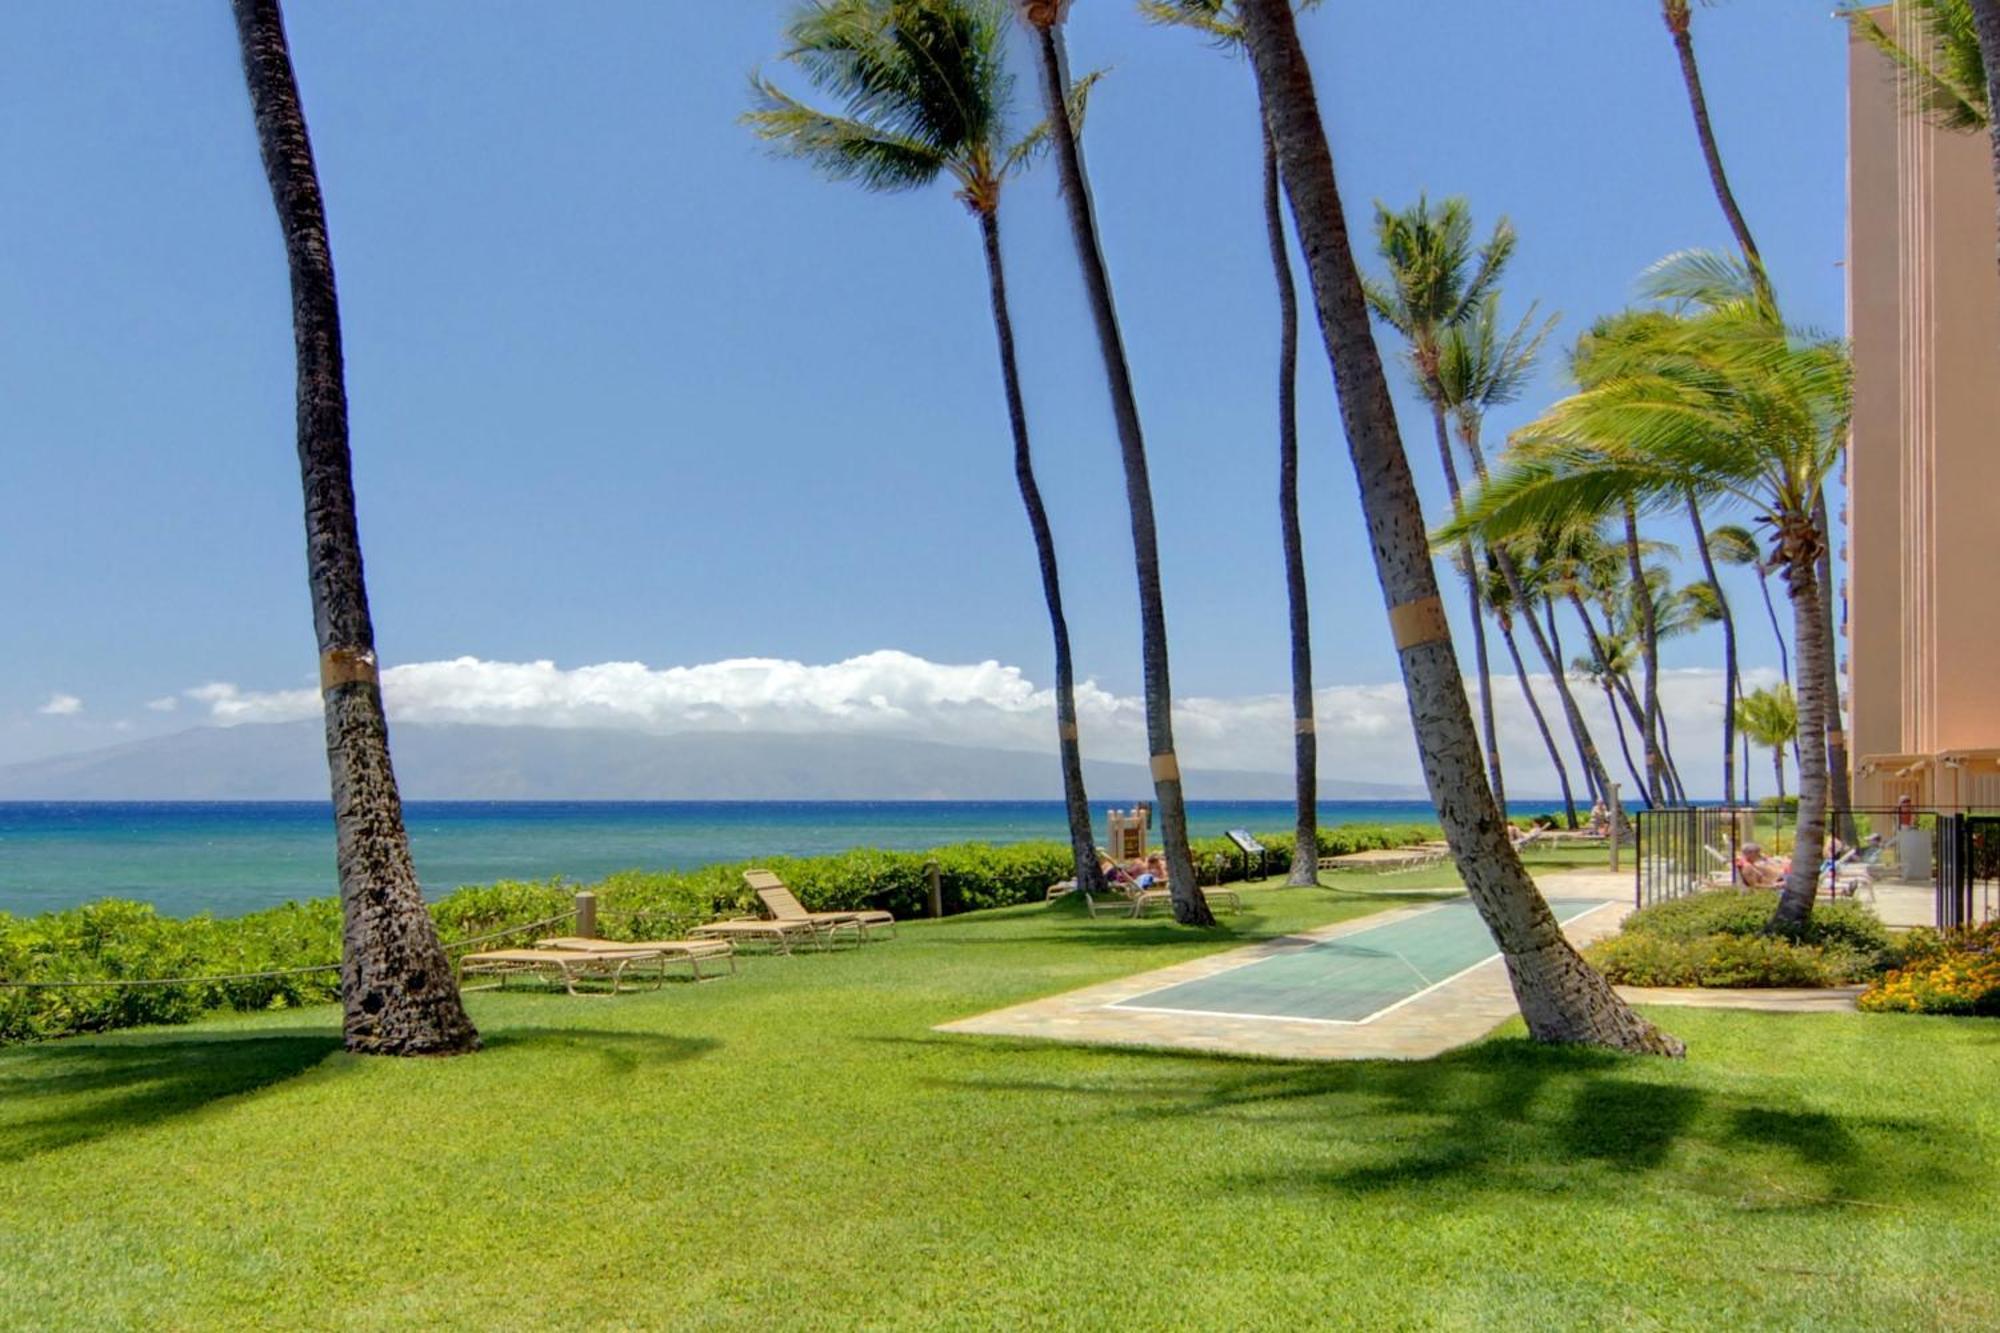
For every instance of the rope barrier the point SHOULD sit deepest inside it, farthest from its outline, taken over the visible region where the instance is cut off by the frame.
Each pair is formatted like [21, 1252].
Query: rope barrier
[262, 976]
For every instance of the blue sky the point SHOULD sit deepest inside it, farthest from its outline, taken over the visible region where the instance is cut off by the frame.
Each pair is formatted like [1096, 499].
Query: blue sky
[626, 389]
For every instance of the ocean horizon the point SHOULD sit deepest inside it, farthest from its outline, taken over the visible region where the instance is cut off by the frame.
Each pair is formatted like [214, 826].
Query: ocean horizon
[230, 857]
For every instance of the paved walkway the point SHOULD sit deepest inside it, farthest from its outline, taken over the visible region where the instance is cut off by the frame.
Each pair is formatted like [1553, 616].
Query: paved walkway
[1461, 1010]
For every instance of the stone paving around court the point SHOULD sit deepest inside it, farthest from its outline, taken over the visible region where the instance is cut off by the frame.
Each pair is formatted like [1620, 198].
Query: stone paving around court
[1461, 1010]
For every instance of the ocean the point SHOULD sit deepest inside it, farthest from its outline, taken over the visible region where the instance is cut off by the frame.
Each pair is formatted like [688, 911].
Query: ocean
[238, 856]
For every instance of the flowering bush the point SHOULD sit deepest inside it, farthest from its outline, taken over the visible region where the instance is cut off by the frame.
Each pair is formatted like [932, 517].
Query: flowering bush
[1956, 973]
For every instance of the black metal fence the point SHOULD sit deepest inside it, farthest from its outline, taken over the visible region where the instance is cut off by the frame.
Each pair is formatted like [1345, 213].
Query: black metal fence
[1968, 878]
[1678, 850]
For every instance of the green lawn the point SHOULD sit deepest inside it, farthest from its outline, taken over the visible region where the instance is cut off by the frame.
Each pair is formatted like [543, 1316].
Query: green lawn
[795, 1145]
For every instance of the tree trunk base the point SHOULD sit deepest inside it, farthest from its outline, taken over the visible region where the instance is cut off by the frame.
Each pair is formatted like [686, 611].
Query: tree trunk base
[1568, 1002]
[1194, 910]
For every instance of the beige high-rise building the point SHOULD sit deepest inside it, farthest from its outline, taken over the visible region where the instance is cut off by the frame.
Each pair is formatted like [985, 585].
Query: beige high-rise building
[1923, 550]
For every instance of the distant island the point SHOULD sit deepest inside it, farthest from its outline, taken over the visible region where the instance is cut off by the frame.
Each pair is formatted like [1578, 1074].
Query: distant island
[454, 761]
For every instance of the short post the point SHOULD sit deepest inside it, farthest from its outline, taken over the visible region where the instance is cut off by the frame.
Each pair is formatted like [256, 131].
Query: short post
[934, 881]
[1616, 825]
[586, 914]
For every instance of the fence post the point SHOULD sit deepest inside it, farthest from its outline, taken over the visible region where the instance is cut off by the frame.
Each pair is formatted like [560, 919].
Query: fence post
[935, 883]
[586, 914]
[1614, 828]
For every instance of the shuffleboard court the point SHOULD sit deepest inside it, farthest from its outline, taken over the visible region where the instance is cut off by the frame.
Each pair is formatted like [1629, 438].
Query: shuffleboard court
[1353, 978]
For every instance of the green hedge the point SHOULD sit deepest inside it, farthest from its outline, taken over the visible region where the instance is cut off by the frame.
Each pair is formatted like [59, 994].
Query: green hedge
[1717, 939]
[113, 939]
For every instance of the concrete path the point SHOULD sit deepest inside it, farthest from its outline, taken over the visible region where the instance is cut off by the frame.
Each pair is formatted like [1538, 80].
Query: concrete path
[1460, 1010]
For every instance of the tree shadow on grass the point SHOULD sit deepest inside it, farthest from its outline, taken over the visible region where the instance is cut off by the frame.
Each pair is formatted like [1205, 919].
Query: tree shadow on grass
[59, 1093]
[1510, 1117]
[619, 1051]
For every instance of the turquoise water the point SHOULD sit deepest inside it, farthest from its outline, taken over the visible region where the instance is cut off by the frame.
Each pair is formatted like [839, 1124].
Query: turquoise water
[231, 857]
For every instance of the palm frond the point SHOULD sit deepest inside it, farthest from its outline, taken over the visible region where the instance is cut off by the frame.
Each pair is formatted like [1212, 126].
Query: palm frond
[1946, 73]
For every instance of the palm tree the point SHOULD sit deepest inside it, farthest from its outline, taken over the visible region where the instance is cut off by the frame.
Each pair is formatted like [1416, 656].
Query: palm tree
[1770, 717]
[1562, 997]
[1679, 19]
[1719, 613]
[1044, 20]
[924, 90]
[1436, 282]
[1217, 20]
[1723, 401]
[397, 991]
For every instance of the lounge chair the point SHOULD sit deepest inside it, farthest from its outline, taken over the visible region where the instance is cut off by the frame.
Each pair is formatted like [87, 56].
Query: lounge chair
[690, 952]
[784, 905]
[565, 965]
[1153, 897]
[780, 935]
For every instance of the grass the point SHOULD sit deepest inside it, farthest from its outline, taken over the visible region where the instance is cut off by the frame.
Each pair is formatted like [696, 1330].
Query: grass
[795, 1145]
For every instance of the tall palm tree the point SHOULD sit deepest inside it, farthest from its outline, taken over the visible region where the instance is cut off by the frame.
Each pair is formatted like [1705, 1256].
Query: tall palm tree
[1044, 19]
[1438, 280]
[1679, 19]
[1217, 20]
[1678, 16]
[1562, 997]
[397, 991]
[924, 89]
[1770, 717]
[1724, 401]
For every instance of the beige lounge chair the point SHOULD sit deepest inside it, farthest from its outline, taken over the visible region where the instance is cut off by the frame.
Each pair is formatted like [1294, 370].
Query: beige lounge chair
[690, 952]
[564, 965]
[780, 935]
[1146, 898]
[784, 905]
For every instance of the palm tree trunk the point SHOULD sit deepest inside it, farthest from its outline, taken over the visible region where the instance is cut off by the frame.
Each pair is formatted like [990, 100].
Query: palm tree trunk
[1778, 767]
[1305, 740]
[1649, 651]
[398, 994]
[1678, 18]
[1586, 745]
[1562, 997]
[1541, 722]
[1728, 653]
[1555, 638]
[1470, 571]
[1190, 907]
[1840, 793]
[1777, 630]
[1986, 20]
[1801, 540]
[1611, 681]
[1076, 802]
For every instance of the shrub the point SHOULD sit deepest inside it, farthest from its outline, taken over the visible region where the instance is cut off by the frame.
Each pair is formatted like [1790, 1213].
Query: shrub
[1717, 939]
[1717, 960]
[1955, 973]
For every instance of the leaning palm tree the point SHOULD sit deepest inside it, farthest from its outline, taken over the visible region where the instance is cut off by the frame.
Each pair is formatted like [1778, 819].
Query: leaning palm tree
[1679, 18]
[1499, 600]
[924, 88]
[1561, 996]
[1770, 717]
[1044, 19]
[1724, 402]
[1437, 280]
[397, 991]
[1217, 20]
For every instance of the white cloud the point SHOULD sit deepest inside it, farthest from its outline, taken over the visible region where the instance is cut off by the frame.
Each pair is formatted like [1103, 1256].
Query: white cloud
[165, 704]
[61, 705]
[1364, 730]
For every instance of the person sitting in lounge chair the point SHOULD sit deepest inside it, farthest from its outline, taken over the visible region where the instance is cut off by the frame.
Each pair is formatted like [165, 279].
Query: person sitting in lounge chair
[1758, 871]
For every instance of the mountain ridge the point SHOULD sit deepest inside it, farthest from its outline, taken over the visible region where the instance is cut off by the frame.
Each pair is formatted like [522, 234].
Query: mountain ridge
[463, 761]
